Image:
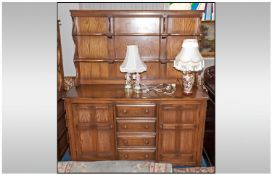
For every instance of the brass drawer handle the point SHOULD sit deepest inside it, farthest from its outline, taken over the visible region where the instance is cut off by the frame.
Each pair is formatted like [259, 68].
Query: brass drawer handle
[124, 111]
[125, 126]
[126, 156]
[146, 126]
[146, 141]
[146, 155]
[146, 111]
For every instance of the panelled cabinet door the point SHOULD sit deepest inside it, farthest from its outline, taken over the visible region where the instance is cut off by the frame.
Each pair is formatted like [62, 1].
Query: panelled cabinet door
[179, 134]
[94, 133]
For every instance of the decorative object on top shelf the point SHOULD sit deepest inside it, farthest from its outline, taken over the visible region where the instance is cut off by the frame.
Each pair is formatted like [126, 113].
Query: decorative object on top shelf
[189, 60]
[133, 64]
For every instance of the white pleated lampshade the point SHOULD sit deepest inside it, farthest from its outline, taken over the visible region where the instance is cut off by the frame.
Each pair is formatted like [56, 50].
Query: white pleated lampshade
[132, 62]
[189, 58]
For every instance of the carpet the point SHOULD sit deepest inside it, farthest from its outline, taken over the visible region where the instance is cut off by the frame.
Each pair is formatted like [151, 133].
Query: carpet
[113, 167]
[199, 170]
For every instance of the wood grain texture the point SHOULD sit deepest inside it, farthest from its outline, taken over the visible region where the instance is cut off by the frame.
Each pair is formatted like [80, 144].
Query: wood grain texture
[94, 70]
[148, 46]
[137, 25]
[182, 25]
[92, 47]
[89, 25]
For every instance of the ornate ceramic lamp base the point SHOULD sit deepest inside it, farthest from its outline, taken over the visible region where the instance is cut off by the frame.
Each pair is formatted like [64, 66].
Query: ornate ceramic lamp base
[188, 81]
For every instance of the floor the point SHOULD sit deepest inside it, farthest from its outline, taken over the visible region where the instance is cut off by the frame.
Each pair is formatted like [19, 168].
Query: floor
[204, 161]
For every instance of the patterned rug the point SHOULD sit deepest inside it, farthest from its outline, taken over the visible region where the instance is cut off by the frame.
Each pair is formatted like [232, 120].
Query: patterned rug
[198, 170]
[113, 167]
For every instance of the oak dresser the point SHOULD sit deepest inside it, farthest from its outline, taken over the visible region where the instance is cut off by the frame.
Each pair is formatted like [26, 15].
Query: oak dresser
[104, 121]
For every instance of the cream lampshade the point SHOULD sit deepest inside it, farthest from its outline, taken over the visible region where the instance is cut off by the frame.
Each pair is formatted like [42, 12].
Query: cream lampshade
[189, 60]
[133, 64]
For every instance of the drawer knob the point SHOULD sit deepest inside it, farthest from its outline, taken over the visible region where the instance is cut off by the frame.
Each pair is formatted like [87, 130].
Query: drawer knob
[146, 141]
[146, 126]
[146, 155]
[146, 111]
[125, 142]
[124, 111]
[125, 126]
[126, 156]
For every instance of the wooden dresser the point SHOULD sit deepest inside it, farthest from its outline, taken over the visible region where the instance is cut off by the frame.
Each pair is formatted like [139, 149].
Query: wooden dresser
[61, 124]
[107, 123]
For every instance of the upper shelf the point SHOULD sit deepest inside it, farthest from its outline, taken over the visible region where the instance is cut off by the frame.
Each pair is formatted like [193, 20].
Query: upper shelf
[145, 13]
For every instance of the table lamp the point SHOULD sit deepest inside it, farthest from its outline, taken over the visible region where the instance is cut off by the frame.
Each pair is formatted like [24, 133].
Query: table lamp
[133, 64]
[189, 60]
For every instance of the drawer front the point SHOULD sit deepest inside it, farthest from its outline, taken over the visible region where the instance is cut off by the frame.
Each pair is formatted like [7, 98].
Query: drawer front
[136, 154]
[136, 126]
[136, 141]
[136, 110]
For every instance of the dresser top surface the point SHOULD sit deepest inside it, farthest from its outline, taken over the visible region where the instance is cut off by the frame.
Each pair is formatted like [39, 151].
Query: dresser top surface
[118, 92]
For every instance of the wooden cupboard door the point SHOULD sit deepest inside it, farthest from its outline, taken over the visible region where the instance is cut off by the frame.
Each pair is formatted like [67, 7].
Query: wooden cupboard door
[180, 134]
[94, 133]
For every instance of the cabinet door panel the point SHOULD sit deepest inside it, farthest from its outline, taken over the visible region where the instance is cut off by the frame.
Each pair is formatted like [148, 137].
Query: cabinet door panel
[94, 136]
[179, 133]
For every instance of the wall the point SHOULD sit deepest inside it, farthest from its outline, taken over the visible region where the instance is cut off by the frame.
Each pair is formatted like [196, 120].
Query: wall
[66, 26]
[67, 42]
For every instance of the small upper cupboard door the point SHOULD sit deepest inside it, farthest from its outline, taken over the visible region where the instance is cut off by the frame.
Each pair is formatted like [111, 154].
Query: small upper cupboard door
[178, 25]
[91, 25]
[94, 133]
[179, 134]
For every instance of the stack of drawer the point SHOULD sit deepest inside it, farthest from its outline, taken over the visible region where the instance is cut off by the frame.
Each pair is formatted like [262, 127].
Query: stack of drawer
[136, 132]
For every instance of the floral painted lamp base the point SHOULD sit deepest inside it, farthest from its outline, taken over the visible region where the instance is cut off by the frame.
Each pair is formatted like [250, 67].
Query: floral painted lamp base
[188, 82]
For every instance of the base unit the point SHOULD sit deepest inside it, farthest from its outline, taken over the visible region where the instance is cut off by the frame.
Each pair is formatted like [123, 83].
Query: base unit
[162, 130]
